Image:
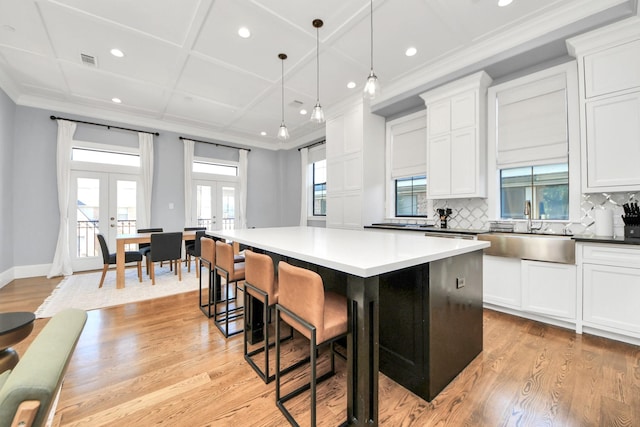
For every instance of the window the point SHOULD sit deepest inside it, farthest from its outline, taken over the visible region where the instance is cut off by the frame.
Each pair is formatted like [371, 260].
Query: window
[411, 196]
[215, 168]
[105, 157]
[320, 188]
[546, 187]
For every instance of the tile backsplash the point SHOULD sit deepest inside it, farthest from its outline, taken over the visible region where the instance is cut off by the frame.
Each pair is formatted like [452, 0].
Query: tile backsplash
[473, 214]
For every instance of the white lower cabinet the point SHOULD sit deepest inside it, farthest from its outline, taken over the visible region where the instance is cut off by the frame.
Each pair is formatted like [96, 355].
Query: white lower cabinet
[549, 289]
[611, 289]
[543, 291]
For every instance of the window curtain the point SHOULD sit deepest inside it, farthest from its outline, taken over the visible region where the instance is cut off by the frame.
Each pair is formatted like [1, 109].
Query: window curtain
[62, 258]
[242, 214]
[188, 180]
[304, 191]
[145, 141]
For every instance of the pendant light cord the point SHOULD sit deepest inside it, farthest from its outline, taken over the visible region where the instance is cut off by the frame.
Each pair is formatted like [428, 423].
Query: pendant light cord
[282, 80]
[371, 15]
[317, 64]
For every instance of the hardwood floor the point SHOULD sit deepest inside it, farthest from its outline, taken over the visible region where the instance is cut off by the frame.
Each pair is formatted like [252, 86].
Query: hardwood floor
[162, 362]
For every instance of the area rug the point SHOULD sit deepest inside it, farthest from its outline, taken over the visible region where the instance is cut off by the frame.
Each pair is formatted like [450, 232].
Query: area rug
[81, 290]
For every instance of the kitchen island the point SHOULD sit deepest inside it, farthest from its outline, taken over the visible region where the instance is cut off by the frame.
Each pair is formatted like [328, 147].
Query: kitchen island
[445, 324]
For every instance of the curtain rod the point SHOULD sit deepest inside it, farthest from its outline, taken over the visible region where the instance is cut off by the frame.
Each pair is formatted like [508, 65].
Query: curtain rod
[214, 143]
[107, 126]
[313, 145]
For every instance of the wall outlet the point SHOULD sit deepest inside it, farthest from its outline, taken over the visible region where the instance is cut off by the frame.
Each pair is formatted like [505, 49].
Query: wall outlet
[459, 282]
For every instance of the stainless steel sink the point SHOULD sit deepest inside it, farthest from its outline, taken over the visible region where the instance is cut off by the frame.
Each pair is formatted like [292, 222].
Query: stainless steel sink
[536, 247]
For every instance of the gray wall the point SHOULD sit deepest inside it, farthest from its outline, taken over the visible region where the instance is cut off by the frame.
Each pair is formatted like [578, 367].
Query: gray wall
[7, 116]
[33, 183]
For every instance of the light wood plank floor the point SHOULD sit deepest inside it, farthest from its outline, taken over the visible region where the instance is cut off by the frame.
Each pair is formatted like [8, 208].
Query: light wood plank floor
[162, 362]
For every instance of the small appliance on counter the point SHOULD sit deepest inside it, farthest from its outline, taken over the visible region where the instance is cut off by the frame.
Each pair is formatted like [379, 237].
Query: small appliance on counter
[631, 220]
[444, 214]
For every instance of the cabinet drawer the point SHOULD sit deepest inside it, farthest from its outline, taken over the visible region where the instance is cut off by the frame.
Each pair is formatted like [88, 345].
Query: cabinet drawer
[611, 255]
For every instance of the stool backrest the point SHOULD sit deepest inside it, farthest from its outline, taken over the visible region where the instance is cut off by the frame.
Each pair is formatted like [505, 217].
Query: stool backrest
[208, 250]
[224, 256]
[259, 272]
[301, 291]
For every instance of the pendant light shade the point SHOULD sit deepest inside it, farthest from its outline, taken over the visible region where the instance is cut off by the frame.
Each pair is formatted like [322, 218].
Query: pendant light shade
[372, 86]
[283, 132]
[317, 115]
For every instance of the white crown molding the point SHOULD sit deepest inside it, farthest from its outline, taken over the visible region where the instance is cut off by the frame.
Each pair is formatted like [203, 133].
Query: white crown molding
[619, 32]
[8, 86]
[474, 81]
[526, 32]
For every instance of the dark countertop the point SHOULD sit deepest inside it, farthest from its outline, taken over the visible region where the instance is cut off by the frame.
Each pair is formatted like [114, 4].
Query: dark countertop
[424, 228]
[618, 240]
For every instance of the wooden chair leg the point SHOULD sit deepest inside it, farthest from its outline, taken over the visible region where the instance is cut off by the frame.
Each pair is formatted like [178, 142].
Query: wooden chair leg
[179, 271]
[140, 271]
[197, 259]
[153, 273]
[104, 273]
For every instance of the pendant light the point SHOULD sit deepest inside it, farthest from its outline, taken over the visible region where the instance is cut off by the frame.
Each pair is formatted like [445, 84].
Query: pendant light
[283, 132]
[372, 87]
[317, 115]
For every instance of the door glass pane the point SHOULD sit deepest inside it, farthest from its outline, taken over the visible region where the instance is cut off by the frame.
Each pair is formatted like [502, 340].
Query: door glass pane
[126, 209]
[87, 214]
[204, 208]
[228, 208]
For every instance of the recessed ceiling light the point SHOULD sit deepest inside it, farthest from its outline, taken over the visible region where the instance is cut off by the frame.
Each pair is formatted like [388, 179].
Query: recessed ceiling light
[351, 85]
[116, 100]
[303, 111]
[503, 3]
[263, 133]
[244, 32]
[117, 53]
[411, 51]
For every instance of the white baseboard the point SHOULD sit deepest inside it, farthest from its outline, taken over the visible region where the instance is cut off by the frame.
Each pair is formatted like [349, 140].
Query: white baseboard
[22, 272]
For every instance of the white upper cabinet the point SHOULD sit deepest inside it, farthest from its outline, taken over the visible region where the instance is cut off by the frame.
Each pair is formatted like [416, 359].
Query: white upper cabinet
[456, 138]
[609, 73]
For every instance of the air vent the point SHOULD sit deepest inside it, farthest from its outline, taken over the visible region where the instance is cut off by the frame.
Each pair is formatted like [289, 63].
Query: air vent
[89, 60]
[296, 104]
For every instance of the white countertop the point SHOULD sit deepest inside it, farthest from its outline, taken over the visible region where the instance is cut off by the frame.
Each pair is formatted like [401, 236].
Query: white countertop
[358, 252]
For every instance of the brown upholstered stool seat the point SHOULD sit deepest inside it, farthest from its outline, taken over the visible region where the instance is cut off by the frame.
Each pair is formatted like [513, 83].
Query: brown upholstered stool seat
[208, 260]
[233, 272]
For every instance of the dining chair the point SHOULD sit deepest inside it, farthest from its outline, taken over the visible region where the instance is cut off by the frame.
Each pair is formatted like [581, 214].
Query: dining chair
[144, 248]
[110, 259]
[194, 251]
[166, 247]
[318, 315]
[191, 243]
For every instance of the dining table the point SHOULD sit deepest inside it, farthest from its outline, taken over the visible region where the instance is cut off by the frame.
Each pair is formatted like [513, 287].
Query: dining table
[124, 239]
[367, 262]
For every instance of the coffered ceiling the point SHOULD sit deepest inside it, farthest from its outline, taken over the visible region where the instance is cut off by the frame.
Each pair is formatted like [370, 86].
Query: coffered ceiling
[186, 69]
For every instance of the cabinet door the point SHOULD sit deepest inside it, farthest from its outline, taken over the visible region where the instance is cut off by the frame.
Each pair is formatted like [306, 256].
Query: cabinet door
[549, 289]
[464, 170]
[613, 143]
[335, 137]
[612, 70]
[439, 166]
[463, 110]
[501, 281]
[439, 117]
[611, 296]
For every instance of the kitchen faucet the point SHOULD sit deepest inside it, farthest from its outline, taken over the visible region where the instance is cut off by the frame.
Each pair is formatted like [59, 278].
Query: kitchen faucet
[527, 214]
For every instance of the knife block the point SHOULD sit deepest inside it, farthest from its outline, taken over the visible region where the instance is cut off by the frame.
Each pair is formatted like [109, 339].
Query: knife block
[632, 232]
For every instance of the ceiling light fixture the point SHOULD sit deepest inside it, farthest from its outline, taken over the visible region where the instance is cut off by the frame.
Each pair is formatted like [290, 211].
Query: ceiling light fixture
[117, 53]
[372, 87]
[411, 51]
[244, 32]
[263, 133]
[351, 85]
[503, 3]
[116, 100]
[303, 112]
[283, 132]
[317, 115]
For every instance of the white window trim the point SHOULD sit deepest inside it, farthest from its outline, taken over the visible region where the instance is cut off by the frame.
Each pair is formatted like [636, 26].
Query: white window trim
[216, 177]
[570, 69]
[390, 182]
[103, 167]
[309, 183]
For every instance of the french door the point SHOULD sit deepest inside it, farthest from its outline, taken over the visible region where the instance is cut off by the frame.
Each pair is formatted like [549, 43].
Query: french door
[100, 202]
[214, 204]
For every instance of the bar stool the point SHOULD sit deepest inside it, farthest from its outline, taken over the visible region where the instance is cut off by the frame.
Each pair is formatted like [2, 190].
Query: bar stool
[207, 259]
[233, 273]
[260, 283]
[318, 315]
